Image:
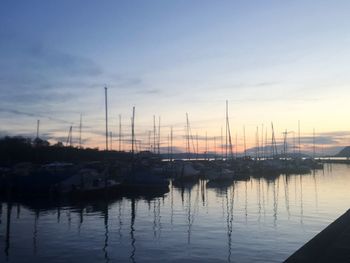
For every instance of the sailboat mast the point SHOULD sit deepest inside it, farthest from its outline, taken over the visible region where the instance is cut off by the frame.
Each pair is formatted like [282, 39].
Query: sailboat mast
[168, 156]
[197, 152]
[273, 142]
[80, 128]
[69, 138]
[245, 145]
[149, 141]
[206, 145]
[171, 143]
[159, 135]
[222, 144]
[133, 130]
[226, 142]
[262, 141]
[285, 144]
[230, 139]
[299, 138]
[120, 132]
[257, 143]
[106, 111]
[228, 132]
[313, 141]
[188, 137]
[154, 133]
[265, 149]
[37, 128]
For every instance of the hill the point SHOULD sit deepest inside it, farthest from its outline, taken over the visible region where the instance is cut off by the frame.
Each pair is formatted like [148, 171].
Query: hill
[344, 152]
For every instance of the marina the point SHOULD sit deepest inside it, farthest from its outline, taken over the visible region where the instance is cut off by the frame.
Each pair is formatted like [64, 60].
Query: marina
[260, 220]
[174, 131]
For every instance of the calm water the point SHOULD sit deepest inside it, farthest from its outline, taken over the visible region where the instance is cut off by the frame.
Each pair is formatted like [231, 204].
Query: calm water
[255, 221]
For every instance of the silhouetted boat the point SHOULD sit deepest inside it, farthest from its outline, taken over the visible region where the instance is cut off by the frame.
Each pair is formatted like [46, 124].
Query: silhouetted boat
[26, 179]
[88, 183]
[184, 171]
[141, 178]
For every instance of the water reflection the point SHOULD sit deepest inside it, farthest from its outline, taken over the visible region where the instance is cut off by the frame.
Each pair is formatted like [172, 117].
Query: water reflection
[230, 195]
[232, 220]
[132, 230]
[157, 227]
[58, 214]
[192, 209]
[8, 229]
[171, 204]
[35, 232]
[275, 199]
[105, 220]
[286, 193]
[120, 222]
[301, 200]
[315, 188]
[246, 202]
[259, 199]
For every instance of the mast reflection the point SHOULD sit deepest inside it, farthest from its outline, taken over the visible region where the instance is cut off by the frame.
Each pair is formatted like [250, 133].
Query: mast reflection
[301, 200]
[120, 222]
[35, 232]
[156, 219]
[8, 230]
[105, 220]
[275, 200]
[230, 195]
[246, 202]
[286, 193]
[132, 230]
[315, 188]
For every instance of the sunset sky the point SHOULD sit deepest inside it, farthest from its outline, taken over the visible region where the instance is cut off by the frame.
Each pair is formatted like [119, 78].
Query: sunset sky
[279, 61]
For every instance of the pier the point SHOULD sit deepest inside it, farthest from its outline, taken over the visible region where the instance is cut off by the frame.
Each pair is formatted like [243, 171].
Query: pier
[331, 245]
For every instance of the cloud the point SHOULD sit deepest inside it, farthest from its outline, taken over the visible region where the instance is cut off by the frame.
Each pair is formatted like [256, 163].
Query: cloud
[326, 138]
[125, 81]
[247, 85]
[35, 97]
[31, 57]
[149, 91]
[132, 85]
[58, 61]
[30, 114]
[336, 133]
[30, 70]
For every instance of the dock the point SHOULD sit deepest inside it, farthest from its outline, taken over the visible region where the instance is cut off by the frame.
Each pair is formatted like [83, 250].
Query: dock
[331, 245]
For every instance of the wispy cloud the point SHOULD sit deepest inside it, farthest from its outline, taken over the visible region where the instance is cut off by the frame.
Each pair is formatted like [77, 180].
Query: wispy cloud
[29, 114]
[31, 72]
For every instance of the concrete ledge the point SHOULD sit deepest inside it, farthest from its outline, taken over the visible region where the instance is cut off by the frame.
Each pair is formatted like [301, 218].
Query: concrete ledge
[331, 245]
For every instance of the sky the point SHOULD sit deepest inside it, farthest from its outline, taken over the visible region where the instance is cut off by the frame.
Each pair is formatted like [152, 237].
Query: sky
[274, 61]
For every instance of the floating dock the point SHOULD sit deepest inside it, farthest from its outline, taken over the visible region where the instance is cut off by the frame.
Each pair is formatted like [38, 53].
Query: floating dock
[331, 245]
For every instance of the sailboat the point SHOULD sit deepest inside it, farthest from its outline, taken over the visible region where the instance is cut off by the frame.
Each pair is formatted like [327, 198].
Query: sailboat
[141, 177]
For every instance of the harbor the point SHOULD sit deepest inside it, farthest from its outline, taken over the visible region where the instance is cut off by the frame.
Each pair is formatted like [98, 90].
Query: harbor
[33, 167]
[76, 179]
[256, 220]
[174, 131]
[133, 172]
